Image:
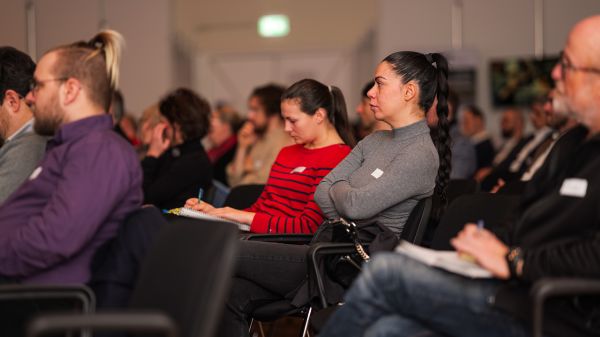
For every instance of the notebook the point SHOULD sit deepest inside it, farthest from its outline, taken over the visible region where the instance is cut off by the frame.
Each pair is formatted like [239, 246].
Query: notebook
[447, 260]
[190, 213]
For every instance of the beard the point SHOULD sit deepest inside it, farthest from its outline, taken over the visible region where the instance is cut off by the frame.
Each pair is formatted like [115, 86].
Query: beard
[48, 122]
[260, 130]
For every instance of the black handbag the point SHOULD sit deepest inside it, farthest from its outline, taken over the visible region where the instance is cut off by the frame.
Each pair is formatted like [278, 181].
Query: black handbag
[342, 268]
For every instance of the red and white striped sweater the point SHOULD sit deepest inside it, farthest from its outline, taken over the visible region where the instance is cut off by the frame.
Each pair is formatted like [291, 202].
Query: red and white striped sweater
[287, 203]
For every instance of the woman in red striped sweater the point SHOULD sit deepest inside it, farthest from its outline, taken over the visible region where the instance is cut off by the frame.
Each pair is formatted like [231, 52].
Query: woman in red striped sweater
[316, 119]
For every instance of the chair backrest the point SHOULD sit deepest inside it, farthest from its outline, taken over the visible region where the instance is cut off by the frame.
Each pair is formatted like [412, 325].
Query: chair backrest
[116, 264]
[417, 221]
[495, 210]
[217, 194]
[243, 196]
[458, 187]
[187, 272]
[20, 302]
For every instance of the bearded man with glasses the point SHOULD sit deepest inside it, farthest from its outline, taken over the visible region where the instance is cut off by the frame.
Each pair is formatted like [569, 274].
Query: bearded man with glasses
[88, 181]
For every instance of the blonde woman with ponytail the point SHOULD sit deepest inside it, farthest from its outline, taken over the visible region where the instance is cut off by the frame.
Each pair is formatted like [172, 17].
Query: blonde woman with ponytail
[88, 181]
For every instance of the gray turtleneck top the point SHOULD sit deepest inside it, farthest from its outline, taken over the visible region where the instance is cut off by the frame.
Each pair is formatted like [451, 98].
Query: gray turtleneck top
[383, 177]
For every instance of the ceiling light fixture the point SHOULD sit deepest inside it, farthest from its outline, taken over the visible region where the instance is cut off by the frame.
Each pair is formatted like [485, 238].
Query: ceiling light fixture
[274, 25]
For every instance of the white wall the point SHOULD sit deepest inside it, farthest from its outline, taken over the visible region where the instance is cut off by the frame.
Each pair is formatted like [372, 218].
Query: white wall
[491, 29]
[147, 68]
[152, 65]
[232, 76]
[12, 24]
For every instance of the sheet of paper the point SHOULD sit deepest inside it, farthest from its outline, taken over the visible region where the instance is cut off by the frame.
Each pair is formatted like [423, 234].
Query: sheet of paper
[447, 260]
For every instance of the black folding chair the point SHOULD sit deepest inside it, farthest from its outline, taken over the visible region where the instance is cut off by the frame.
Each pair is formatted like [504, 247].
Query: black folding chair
[413, 231]
[20, 302]
[548, 288]
[495, 210]
[181, 287]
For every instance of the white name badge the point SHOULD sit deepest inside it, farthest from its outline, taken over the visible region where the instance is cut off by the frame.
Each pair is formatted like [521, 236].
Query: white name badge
[299, 169]
[377, 173]
[574, 187]
[35, 173]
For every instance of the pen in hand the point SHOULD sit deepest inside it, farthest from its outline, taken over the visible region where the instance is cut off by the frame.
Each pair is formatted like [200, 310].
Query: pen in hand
[469, 257]
[200, 194]
[480, 224]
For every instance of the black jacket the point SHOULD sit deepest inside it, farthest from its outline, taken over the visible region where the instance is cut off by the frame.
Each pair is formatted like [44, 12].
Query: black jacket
[176, 175]
[559, 233]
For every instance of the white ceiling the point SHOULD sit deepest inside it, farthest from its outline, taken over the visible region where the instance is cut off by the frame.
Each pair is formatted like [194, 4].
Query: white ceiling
[230, 25]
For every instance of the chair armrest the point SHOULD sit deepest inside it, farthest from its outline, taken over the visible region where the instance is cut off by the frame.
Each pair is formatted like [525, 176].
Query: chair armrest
[81, 293]
[553, 287]
[320, 249]
[128, 321]
[298, 239]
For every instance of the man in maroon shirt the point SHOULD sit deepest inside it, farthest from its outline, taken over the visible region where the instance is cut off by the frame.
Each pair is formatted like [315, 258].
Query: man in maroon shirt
[87, 182]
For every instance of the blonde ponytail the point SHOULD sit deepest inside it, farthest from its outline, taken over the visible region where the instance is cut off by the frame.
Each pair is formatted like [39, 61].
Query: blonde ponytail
[111, 43]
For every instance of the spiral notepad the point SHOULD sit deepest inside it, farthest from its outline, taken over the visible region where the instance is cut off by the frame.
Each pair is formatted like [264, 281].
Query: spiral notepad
[190, 213]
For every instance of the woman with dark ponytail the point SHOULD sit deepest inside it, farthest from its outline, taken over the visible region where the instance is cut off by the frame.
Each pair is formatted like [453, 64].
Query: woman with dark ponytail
[315, 117]
[388, 172]
[312, 95]
[407, 86]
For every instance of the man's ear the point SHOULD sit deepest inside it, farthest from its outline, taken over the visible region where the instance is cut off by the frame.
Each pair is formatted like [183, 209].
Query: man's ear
[12, 100]
[320, 115]
[71, 89]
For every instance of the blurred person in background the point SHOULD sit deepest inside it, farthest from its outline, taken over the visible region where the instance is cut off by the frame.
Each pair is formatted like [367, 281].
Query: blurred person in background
[222, 136]
[150, 118]
[463, 152]
[124, 124]
[512, 128]
[473, 127]
[366, 123]
[23, 148]
[260, 139]
[176, 165]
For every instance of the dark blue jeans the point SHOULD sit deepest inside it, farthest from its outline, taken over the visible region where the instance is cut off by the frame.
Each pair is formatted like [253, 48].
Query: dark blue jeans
[265, 272]
[399, 296]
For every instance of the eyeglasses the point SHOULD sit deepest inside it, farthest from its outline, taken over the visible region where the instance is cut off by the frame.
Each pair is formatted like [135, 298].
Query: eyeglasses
[565, 64]
[35, 85]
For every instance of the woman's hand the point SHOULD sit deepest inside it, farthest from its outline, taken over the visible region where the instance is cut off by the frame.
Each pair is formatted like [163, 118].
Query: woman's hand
[227, 213]
[161, 140]
[487, 250]
[198, 205]
[234, 215]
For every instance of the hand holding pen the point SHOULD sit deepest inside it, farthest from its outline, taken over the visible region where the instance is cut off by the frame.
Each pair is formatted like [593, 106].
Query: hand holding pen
[483, 247]
[198, 205]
